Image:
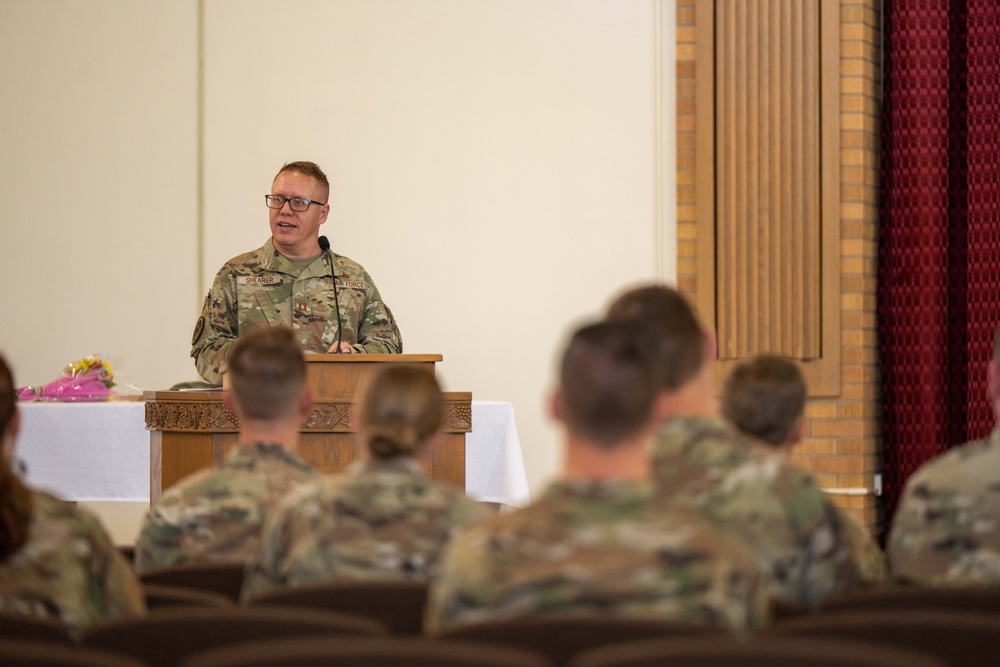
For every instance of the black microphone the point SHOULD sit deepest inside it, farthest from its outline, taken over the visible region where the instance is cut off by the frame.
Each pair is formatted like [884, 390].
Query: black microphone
[324, 245]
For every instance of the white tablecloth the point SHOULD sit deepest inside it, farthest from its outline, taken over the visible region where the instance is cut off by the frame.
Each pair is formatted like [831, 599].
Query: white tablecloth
[100, 452]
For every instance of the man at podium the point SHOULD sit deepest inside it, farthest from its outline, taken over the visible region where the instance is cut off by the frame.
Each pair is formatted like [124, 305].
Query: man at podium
[295, 280]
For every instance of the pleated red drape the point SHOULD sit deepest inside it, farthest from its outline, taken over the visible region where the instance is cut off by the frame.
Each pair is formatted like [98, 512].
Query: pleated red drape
[939, 237]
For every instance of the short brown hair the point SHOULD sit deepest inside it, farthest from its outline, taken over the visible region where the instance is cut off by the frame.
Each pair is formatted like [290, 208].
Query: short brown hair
[764, 397]
[608, 381]
[667, 313]
[402, 408]
[308, 169]
[267, 372]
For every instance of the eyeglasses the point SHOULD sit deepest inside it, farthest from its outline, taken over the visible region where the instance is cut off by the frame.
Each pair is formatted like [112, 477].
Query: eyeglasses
[295, 203]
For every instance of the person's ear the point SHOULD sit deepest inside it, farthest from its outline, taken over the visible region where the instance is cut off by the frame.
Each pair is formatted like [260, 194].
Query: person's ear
[227, 400]
[663, 407]
[797, 432]
[557, 407]
[711, 345]
[992, 382]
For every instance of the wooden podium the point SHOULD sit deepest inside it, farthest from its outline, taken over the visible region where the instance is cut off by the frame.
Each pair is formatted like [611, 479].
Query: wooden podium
[190, 430]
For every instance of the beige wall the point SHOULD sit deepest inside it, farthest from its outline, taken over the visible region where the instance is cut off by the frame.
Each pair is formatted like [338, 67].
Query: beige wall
[501, 167]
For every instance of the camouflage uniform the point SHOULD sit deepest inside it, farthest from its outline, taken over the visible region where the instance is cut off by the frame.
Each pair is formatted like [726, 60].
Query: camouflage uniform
[264, 286]
[870, 559]
[947, 528]
[216, 514]
[795, 531]
[382, 520]
[594, 548]
[69, 569]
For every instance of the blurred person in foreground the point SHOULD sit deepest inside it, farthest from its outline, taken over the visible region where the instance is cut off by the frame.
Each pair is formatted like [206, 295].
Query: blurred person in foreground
[330, 301]
[382, 519]
[701, 462]
[595, 543]
[56, 560]
[947, 528]
[215, 514]
[765, 398]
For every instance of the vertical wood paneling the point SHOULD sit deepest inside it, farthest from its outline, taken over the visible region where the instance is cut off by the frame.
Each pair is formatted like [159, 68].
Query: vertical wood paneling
[768, 178]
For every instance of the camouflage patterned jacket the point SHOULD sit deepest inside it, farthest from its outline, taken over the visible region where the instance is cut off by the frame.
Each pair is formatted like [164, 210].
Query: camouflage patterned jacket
[263, 286]
[947, 527]
[216, 514]
[69, 569]
[381, 520]
[598, 548]
[795, 531]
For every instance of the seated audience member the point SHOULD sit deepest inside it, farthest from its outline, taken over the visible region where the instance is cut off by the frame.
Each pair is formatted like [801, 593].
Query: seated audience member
[56, 560]
[765, 398]
[384, 518]
[700, 462]
[215, 514]
[595, 543]
[947, 527]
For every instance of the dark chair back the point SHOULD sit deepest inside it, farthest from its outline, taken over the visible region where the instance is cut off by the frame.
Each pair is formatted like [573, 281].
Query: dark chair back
[979, 599]
[756, 652]
[223, 578]
[562, 637]
[365, 652]
[23, 626]
[164, 637]
[163, 597]
[957, 638]
[23, 653]
[397, 604]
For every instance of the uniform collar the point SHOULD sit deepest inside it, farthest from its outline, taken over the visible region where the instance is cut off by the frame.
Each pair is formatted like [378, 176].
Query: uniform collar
[272, 260]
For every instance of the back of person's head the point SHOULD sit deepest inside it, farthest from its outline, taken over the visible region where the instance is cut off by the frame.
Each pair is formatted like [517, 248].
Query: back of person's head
[765, 397]
[267, 373]
[15, 499]
[308, 169]
[402, 408]
[609, 382]
[669, 315]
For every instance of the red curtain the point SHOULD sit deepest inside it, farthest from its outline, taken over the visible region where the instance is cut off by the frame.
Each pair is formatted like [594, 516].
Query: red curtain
[939, 236]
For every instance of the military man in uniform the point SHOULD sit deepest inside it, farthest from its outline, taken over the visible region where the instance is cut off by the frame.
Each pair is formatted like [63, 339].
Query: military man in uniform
[291, 281]
[700, 462]
[216, 514]
[947, 527]
[764, 397]
[595, 543]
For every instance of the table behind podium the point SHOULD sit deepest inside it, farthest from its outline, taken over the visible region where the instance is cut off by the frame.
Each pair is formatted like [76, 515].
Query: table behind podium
[190, 430]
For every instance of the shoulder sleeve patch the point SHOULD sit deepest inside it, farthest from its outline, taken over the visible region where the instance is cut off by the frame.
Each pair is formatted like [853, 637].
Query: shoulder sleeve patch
[198, 328]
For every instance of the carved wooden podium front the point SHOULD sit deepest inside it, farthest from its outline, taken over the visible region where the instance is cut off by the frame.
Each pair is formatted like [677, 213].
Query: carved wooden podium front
[190, 430]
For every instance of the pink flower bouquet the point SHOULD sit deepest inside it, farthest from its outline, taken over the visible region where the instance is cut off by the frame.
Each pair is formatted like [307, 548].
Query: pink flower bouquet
[89, 379]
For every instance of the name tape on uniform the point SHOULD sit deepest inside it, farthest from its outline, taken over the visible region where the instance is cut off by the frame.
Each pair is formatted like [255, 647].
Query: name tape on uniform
[258, 280]
[349, 284]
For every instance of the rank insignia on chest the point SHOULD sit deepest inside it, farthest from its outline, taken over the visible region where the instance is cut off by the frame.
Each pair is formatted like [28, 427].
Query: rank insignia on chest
[302, 306]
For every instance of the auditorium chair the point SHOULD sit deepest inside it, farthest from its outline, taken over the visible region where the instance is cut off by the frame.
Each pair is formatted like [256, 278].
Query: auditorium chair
[164, 637]
[163, 597]
[958, 638]
[223, 578]
[25, 653]
[14, 625]
[561, 637]
[980, 599]
[751, 652]
[365, 652]
[397, 604]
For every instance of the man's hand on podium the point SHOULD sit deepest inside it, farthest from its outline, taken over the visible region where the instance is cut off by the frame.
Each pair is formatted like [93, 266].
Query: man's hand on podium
[345, 348]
